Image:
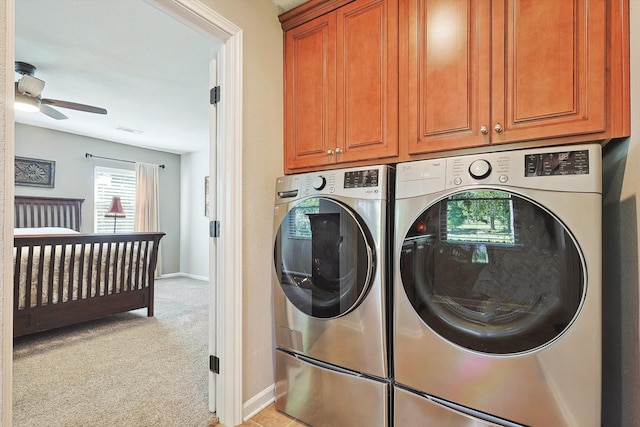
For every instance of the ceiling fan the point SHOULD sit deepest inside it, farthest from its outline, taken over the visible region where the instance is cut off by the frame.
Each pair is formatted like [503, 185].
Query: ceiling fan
[29, 88]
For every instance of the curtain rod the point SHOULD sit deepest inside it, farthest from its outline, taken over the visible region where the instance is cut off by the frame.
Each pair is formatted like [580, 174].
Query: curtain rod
[87, 155]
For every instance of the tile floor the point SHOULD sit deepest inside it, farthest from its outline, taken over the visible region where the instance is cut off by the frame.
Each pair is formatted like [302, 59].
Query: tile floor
[269, 417]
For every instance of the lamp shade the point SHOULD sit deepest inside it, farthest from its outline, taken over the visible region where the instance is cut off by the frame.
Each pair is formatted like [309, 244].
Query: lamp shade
[115, 211]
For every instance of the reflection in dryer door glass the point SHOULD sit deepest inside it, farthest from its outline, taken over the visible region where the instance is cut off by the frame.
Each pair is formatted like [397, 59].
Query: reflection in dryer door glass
[492, 272]
[298, 220]
[480, 216]
[323, 258]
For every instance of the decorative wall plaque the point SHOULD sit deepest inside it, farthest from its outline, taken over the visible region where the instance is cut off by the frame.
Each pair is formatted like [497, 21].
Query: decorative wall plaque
[34, 172]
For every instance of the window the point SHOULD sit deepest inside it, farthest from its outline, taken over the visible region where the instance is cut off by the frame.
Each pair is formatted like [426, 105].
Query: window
[299, 225]
[110, 182]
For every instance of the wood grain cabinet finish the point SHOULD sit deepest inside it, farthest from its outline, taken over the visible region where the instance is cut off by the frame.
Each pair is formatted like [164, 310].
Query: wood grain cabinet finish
[341, 86]
[482, 72]
[310, 93]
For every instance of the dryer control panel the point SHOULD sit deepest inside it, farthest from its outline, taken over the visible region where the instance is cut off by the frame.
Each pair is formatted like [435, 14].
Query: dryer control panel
[562, 163]
[562, 168]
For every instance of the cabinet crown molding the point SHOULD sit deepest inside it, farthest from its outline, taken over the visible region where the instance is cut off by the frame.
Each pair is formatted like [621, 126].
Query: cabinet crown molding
[308, 11]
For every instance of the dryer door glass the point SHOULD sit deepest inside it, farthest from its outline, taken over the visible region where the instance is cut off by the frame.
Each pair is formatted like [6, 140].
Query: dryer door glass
[323, 258]
[492, 272]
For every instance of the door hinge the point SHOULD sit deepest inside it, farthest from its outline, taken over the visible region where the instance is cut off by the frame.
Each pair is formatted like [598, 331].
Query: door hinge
[214, 364]
[214, 95]
[214, 228]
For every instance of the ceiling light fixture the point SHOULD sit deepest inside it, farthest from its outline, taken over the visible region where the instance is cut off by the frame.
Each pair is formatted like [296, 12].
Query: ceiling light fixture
[26, 103]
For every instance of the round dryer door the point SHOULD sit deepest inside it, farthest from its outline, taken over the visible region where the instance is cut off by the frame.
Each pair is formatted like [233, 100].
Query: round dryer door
[492, 272]
[323, 258]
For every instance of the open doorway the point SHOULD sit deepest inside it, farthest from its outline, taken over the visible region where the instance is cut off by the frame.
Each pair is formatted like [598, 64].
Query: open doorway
[230, 156]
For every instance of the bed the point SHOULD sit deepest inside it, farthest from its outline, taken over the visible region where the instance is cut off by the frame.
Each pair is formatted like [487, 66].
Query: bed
[63, 277]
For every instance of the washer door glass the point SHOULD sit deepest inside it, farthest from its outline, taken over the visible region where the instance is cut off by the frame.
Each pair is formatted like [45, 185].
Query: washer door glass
[323, 258]
[492, 272]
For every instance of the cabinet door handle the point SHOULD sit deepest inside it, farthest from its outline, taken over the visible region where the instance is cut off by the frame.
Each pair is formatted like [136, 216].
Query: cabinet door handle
[498, 127]
[338, 150]
[484, 130]
[330, 152]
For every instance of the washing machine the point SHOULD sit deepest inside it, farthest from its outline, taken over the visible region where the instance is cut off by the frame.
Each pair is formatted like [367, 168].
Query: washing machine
[331, 295]
[497, 294]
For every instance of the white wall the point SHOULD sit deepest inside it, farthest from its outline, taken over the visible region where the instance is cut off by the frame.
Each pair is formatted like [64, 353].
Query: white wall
[74, 177]
[262, 163]
[621, 261]
[194, 225]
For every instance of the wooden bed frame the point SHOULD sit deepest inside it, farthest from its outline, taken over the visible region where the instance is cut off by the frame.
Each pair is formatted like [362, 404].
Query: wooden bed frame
[112, 273]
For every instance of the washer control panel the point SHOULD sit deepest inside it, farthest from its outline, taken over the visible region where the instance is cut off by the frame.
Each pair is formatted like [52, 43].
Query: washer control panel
[367, 183]
[361, 178]
[319, 182]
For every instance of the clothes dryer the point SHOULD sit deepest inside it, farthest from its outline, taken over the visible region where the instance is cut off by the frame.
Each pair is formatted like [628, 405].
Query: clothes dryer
[331, 295]
[498, 287]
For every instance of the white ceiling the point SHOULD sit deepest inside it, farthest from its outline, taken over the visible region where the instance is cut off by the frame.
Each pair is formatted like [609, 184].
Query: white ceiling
[148, 70]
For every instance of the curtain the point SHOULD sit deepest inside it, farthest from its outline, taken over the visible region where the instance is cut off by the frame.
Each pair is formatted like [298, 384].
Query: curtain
[147, 216]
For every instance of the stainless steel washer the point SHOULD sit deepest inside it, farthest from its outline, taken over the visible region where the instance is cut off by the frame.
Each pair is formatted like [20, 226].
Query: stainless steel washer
[498, 287]
[330, 295]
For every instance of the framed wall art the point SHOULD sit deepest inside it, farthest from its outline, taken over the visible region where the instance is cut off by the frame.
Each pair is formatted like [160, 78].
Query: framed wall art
[34, 172]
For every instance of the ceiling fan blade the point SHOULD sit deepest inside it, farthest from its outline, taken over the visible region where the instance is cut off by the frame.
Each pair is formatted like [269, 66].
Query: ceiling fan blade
[52, 112]
[74, 106]
[30, 85]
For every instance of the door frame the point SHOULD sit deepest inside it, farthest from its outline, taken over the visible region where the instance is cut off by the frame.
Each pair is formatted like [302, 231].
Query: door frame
[229, 326]
[228, 205]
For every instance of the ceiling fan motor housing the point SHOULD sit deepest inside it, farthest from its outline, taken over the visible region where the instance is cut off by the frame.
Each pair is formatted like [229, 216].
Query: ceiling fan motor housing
[25, 69]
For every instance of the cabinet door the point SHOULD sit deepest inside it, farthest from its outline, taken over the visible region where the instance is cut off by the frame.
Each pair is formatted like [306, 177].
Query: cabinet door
[448, 74]
[549, 65]
[310, 87]
[367, 80]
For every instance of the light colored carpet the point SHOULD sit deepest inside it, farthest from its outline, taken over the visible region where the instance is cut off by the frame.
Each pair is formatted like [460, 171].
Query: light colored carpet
[125, 370]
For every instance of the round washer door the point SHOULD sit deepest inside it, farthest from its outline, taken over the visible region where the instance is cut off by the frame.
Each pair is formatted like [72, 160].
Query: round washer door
[492, 272]
[323, 258]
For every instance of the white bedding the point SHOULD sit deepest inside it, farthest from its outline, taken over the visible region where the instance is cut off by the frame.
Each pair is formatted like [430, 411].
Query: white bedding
[43, 230]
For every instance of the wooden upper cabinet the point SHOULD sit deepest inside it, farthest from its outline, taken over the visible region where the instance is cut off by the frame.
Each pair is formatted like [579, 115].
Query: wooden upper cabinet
[341, 86]
[367, 80]
[448, 70]
[549, 69]
[310, 87]
[483, 72]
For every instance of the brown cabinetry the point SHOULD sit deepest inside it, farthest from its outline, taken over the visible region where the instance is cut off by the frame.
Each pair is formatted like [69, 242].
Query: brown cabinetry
[381, 81]
[482, 72]
[341, 85]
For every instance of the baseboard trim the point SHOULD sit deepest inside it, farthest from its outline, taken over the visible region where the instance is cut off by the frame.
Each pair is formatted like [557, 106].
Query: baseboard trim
[258, 402]
[179, 274]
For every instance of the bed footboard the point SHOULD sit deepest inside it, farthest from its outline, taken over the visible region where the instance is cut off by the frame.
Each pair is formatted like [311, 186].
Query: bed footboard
[60, 280]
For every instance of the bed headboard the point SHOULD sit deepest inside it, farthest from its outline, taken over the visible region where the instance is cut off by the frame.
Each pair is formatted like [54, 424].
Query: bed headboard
[48, 212]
